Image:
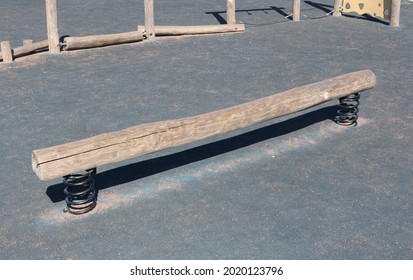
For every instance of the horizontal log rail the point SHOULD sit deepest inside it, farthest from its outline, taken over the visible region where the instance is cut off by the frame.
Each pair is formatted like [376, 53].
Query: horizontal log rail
[95, 41]
[29, 48]
[57, 161]
[165, 30]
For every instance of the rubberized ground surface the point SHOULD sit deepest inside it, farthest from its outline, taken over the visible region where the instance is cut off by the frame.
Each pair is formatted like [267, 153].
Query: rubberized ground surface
[298, 187]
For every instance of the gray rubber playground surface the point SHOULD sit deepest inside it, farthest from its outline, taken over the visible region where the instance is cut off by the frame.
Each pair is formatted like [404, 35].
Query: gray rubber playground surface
[298, 187]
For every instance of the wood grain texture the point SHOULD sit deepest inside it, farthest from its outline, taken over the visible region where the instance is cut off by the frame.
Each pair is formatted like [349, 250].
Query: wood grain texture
[395, 13]
[196, 30]
[27, 42]
[30, 47]
[149, 19]
[57, 161]
[95, 41]
[6, 51]
[52, 30]
[231, 12]
[296, 10]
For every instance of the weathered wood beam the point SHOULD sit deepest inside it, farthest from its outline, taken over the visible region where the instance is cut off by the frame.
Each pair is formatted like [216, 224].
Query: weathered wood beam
[30, 47]
[296, 10]
[337, 6]
[52, 30]
[95, 41]
[149, 19]
[57, 161]
[395, 13]
[196, 30]
[231, 12]
[27, 42]
[6, 51]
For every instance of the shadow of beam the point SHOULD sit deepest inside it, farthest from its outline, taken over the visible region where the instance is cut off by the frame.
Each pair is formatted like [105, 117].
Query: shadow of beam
[280, 11]
[222, 20]
[323, 7]
[138, 170]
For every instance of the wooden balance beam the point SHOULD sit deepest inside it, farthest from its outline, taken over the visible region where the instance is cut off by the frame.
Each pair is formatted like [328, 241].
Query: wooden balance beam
[57, 161]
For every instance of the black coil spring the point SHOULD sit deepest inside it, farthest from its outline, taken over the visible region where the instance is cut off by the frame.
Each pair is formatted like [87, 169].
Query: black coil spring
[347, 114]
[80, 191]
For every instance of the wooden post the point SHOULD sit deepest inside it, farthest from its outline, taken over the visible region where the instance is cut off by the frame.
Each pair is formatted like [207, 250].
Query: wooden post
[6, 51]
[231, 12]
[337, 6]
[149, 19]
[52, 31]
[395, 13]
[57, 161]
[296, 10]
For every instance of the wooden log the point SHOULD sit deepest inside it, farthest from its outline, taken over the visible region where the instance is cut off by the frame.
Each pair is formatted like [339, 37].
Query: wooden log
[95, 41]
[29, 48]
[27, 42]
[52, 31]
[337, 6]
[149, 19]
[196, 30]
[395, 13]
[57, 161]
[296, 10]
[231, 12]
[7, 53]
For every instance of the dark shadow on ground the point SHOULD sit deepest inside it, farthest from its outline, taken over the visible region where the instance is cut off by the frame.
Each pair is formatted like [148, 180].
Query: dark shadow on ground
[136, 171]
[367, 17]
[329, 8]
[323, 7]
[280, 11]
[219, 15]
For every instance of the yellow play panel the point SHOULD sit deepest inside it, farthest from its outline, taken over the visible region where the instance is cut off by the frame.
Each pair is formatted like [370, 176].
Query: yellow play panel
[376, 8]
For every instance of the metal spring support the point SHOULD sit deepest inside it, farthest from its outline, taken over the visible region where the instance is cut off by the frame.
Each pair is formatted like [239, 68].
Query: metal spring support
[80, 191]
[347, 114]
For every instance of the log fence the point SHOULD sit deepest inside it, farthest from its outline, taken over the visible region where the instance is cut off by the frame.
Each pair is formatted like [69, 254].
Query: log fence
[149, 31]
